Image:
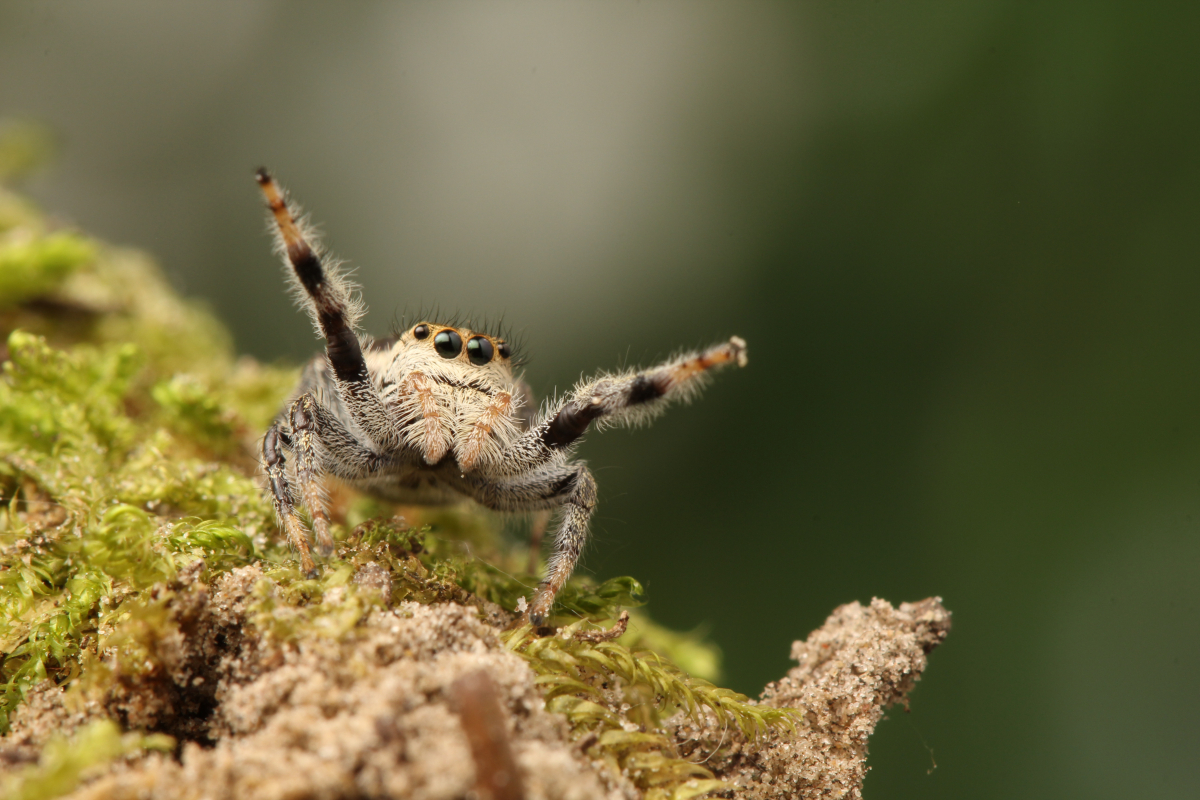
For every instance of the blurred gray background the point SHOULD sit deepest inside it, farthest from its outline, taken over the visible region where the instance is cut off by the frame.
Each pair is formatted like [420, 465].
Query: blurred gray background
[961, 240]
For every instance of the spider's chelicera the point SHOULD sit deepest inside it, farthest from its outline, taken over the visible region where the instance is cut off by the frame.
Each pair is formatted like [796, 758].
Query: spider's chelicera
[436, 415]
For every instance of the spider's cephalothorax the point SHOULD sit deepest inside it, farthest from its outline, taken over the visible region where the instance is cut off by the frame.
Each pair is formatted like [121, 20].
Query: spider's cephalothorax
[436, 415]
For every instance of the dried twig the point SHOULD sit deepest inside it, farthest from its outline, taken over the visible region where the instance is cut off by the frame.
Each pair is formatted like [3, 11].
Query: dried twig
[474, 699]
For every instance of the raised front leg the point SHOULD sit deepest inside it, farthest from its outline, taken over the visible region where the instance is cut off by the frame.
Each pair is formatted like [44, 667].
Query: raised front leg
[569, 488]
[632, 399]
[629, 399]
[332, 306]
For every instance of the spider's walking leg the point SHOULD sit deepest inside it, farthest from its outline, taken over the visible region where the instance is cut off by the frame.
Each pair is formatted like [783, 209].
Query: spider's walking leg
[630, 399]
[570, 488]
[343, 455]
[335, 311]
[305, 446]
[273, 446]
[625, 399]
[321, 445]
[572, 534]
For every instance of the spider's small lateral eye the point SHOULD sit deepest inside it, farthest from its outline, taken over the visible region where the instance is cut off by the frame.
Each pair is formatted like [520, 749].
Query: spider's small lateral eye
[504, 350]
[479, 350]
[421, 331]
[448, 344]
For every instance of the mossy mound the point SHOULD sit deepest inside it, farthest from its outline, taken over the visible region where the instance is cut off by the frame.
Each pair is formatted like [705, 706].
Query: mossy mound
[143, 584]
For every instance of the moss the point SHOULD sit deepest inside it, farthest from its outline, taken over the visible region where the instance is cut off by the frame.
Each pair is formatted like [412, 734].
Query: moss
[127, 436]
[621, 695]
[31, 268]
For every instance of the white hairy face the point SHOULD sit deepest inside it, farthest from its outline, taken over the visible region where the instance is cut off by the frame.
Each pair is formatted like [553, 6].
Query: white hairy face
[453, 354]
[459, 381]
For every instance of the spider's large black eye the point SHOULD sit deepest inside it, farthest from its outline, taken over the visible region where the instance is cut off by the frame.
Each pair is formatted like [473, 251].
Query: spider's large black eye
[448, 344]
[421, 331]
[479, 350]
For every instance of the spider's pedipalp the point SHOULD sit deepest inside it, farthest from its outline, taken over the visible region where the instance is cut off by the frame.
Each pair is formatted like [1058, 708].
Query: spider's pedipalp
[483, 437]
[430, 437]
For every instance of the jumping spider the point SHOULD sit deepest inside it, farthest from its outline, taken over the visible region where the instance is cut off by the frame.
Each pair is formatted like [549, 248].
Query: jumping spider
[435, 415]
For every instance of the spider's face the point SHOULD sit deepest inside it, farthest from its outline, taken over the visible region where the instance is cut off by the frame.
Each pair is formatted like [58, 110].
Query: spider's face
[456, 353]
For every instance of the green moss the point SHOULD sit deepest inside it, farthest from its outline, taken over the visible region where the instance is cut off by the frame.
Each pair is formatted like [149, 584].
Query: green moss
[127, 453]
[32, 268]
[126, 431]
[621, 696]
[191, 409]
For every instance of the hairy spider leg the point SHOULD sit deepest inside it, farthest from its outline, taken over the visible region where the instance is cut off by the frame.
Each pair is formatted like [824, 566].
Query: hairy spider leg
[621, 400]
[308, 469]
[322, 446]
[638, 398]
[572, 490]
[616, 400]
[281, 492]
[344, 456]
[335, 311]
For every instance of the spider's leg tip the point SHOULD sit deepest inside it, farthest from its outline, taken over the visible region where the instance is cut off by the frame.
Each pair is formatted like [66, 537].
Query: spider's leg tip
[261, 175]
[739, 348]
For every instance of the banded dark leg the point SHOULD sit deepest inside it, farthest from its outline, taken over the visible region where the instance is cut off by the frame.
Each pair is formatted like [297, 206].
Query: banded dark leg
[335, 312]
[281, 493]
[570, 488]
[637, 397]
[622, 400]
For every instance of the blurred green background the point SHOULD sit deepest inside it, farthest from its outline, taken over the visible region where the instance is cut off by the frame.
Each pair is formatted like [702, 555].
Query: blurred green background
[961, 240]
